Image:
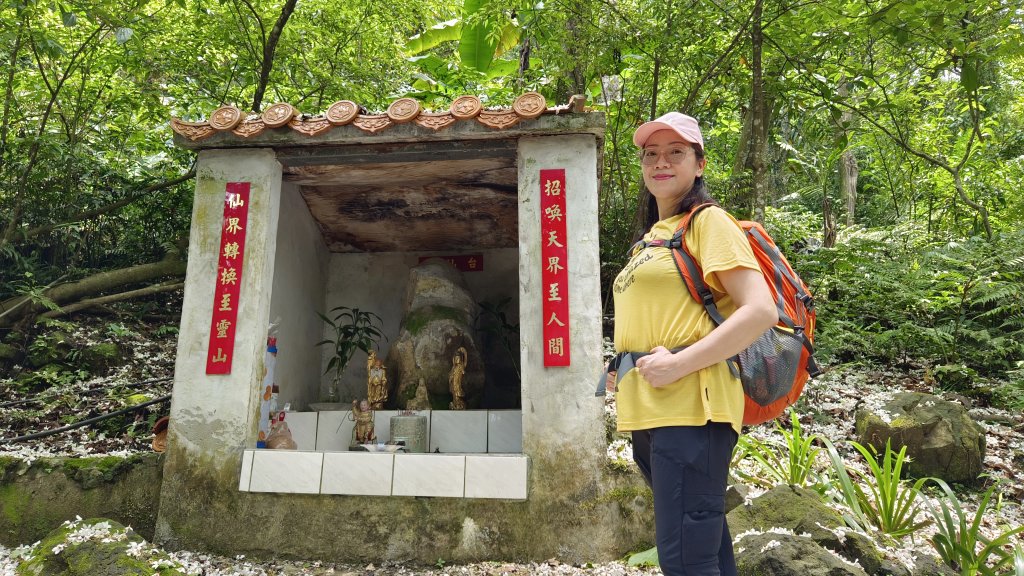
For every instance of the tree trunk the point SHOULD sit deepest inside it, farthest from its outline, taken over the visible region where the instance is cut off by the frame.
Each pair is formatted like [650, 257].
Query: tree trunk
[169, 286]
[269, 48]
[172, 265]
[848, 183]
[828, 219]
[759, 120]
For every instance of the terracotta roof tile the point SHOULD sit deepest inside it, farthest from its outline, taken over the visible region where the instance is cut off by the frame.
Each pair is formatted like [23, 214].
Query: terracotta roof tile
[403, 110]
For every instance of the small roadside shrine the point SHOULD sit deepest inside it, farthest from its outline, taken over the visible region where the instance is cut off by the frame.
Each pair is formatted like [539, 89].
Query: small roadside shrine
[296, 214]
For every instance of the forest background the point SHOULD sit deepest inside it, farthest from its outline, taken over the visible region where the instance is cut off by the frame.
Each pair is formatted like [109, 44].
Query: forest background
[881, 142]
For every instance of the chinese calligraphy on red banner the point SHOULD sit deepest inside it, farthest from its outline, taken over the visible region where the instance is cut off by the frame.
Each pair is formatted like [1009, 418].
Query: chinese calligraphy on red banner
[229, 278]
[555, 273]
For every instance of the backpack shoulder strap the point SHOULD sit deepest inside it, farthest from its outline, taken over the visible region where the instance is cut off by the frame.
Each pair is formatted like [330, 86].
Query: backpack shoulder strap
[688, 268]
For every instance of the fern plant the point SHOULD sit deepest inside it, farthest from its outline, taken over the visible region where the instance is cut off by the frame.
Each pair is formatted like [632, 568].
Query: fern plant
[902, 296]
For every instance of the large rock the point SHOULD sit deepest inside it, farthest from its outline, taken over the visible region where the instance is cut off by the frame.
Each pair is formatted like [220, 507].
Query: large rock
[804, 512]
[96, 547]
[101, 357]
[780, 554]
[437, 321]
[931, 566]
[787, 507]
[941, 438]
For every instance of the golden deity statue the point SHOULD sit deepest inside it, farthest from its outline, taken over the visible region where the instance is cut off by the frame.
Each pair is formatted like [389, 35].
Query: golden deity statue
[376, 381]
[363, 416]
[455, 379]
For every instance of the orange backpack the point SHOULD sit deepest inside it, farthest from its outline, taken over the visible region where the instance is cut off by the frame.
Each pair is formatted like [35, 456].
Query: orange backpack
[775, 368]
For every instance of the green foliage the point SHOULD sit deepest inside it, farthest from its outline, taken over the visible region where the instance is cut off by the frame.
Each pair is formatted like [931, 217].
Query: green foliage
[960, 541]
[791, 463]
[792, 227]
[648, 557]
[887, 504]
[893, 297]
[119, 330]
[354, 329]
[166, 330]
[1010, 395]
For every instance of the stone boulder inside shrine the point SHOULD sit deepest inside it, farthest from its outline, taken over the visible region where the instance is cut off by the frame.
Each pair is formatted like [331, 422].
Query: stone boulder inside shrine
[437, 320]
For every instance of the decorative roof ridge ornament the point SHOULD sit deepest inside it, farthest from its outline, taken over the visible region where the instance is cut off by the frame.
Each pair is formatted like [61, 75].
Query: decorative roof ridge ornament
[227, 118]
[404, 110]
[465, 107]
[279, 114]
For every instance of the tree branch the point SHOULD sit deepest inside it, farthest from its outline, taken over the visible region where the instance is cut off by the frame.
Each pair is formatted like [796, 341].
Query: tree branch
[168, 286]
[711, 71]
[268, 53]
[172, 265]
[18, 205]
[112, 206]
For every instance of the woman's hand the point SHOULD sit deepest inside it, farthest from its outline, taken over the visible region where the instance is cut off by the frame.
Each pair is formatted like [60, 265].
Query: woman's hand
[659, 368]
[609, 382]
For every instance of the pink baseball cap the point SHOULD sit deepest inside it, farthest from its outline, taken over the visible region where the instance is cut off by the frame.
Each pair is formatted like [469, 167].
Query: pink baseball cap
[685, 126]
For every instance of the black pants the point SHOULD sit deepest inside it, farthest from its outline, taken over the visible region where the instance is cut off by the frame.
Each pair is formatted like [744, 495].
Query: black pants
[687, 468]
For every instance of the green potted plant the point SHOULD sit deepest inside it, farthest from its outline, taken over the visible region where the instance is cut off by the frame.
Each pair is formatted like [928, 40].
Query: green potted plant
[354, 329]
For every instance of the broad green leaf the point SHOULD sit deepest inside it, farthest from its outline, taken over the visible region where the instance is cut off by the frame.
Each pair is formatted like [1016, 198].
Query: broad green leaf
[510, 34]
[969, 74]
[436, 35]
[476, 46]
[645, 558]
[503, 68]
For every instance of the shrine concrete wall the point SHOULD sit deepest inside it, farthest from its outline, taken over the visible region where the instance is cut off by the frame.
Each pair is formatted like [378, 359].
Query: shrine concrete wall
[300, 273]
[560, 413]
[214, 417]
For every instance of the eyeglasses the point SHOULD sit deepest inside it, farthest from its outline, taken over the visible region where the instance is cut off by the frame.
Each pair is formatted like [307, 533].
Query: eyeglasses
[649, 156]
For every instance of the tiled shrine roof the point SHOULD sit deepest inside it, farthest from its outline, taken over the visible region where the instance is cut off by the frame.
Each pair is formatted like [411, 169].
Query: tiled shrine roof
[231, 122]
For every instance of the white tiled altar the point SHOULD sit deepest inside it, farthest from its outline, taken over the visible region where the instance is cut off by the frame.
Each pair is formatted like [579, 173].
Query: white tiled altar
[473, 454]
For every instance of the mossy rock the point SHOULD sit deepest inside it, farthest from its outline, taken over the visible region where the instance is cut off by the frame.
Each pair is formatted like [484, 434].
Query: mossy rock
[804, 511]
[418, 319]
[772, 554]
[931, 566]
[9, 353]
[101, 357]
[941, 438]
[96, 547]
[788, 507]
[92, 472]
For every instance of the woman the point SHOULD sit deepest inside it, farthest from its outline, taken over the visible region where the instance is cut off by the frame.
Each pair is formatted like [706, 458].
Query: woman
[680, 401]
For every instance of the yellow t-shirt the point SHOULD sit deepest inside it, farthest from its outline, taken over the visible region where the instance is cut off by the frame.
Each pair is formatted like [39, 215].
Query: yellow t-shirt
[654, 308]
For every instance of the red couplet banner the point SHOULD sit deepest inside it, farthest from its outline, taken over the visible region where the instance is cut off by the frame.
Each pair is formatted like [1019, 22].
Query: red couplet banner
[555, 272]
[229, 278]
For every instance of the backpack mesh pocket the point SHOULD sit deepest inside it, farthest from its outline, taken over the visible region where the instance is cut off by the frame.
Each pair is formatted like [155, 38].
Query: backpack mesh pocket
[768, 367]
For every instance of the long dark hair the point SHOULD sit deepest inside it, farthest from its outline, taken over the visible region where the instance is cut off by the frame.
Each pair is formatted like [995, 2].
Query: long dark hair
[647, 213]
